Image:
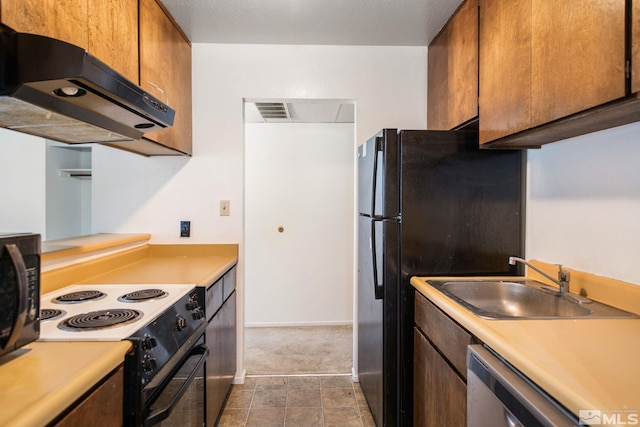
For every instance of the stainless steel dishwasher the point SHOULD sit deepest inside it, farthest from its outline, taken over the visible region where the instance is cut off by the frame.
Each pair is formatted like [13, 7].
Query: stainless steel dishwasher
[498, 395]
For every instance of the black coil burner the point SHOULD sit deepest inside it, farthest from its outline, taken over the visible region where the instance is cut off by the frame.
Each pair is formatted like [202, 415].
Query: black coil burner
[100, 319]
[51, 313]
[79, 296]
[143, 295]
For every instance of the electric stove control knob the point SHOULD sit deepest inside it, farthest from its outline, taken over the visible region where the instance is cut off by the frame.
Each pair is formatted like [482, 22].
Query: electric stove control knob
[149, 364]
[181, 323]
[198, 314]
[149, 342]
[192, 305]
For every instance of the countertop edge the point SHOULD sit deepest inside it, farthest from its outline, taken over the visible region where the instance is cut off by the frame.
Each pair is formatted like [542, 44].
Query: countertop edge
[62, 248]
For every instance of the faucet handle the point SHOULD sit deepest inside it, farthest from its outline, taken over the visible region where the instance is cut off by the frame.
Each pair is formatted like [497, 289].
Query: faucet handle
[563, 275]
[563, 279]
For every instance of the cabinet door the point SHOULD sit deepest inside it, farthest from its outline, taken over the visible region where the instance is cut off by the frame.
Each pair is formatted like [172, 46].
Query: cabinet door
[578, 56]
[165, 71]
[106, 400]
[438, 82]
[505, 68]
[439, 395]
[113, 35]
[452, 80]
[221, 362]
[635, 47]
[463, 65]
[60, 19]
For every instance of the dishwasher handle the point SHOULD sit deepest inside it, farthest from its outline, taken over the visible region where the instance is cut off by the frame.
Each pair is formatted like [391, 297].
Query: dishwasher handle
[499, 391]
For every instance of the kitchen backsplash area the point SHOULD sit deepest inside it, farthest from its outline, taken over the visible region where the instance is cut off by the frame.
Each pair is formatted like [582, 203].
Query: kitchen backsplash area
[583, 202]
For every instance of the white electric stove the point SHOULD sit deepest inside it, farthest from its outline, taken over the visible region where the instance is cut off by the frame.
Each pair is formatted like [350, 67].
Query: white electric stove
[105, 312]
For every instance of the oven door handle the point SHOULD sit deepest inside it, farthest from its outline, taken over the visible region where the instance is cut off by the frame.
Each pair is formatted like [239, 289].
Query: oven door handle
[162, 413]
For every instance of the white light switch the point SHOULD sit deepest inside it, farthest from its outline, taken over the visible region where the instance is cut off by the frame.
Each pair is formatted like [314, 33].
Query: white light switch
[224, 207]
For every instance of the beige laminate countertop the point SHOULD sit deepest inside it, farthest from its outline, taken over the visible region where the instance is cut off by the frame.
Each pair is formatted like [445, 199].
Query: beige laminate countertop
[40, 381]
[583, 363]
[200, 264]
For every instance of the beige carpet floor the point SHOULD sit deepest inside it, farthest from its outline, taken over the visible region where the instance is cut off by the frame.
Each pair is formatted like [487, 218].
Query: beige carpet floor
[299, 350]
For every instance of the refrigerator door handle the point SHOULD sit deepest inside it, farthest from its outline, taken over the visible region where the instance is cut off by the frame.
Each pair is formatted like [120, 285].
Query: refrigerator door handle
[378, 288]
[374, 186]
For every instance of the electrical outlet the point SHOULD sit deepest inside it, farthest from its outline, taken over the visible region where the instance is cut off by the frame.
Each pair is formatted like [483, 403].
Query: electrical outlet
[185, 228]
[224, 207]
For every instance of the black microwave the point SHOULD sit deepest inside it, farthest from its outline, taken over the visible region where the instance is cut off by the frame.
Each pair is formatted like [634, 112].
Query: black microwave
[19, 290]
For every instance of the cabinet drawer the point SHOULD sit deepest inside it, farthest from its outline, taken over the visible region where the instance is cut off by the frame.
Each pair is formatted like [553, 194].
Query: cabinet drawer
[451, 339]
[229, 283]
[213, 299]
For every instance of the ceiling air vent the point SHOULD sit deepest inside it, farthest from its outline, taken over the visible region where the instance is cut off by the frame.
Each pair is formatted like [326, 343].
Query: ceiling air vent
[273, 110]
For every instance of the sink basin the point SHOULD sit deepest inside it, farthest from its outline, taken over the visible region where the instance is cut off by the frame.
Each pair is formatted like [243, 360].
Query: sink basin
[526, 299]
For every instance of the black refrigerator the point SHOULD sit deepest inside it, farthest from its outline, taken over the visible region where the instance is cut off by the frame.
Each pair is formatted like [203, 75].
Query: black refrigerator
[430, 203]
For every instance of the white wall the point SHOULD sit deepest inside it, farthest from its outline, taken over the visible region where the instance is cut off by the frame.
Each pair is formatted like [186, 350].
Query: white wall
[68, 198]
[299, 176]
[22, 192]
[137, 194]
[583, 204]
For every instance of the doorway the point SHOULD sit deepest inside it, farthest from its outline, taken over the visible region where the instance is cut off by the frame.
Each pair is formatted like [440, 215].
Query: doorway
[299, 210]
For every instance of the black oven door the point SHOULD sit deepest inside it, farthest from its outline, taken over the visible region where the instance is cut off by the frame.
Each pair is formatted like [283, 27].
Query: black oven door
[180, 402]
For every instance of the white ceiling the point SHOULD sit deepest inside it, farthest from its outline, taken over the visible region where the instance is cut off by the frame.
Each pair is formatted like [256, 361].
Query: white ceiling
[312, 22]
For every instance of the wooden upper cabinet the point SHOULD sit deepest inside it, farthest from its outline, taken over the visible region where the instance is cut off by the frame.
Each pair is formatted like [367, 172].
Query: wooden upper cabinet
[165, 72]
[108, 29]
[113, 35]
[542, 62]
[635, 47]
[60, 19]
[505, 67]
[438, 82]
[452, 81]
[463, 64]
[578, 56]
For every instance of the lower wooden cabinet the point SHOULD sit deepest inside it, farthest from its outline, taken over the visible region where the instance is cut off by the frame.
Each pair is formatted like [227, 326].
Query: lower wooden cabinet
[439, 394]
[221, 340]
[101, 408]
[439, 367]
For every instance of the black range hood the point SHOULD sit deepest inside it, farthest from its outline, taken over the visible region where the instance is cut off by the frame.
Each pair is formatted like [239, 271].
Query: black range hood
[58, 91]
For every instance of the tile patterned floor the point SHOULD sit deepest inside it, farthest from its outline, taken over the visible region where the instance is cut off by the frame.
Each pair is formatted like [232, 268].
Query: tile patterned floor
[289, 401]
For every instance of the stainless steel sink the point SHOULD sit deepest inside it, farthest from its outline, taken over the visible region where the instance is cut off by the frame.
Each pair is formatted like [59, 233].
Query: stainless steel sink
[522, 299]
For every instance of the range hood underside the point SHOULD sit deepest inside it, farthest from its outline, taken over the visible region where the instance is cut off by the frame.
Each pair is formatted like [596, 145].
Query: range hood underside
[28, 118]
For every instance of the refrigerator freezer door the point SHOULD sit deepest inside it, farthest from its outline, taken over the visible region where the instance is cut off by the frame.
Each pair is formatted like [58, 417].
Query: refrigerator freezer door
[378, 176]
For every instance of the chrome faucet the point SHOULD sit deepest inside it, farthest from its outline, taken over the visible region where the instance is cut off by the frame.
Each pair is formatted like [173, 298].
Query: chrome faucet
[563, 275]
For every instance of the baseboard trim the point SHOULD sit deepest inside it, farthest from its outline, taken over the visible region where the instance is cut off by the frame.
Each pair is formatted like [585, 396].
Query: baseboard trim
[297, 324]
[299, 375]
[240, 377]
